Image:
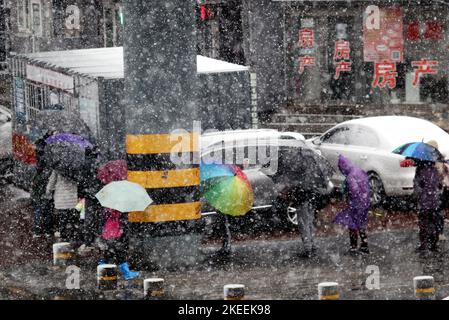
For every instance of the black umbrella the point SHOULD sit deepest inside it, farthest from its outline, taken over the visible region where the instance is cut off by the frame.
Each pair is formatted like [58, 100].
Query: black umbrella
[302, 168]
[66, 158]
[60, 121]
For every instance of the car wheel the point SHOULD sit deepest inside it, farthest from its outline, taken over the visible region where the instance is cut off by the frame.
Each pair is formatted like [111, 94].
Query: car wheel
[377, 190]
[291, 216]
[284, 214]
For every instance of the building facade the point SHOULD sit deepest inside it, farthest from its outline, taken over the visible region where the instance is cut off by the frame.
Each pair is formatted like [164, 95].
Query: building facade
[346, 57]
[306, 57]
[30, 26]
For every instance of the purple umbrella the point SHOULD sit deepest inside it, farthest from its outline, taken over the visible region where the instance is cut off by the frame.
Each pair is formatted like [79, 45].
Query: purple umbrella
[69, 137]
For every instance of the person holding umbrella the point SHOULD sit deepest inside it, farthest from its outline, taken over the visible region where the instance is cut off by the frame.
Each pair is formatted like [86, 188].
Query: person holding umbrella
[118, 198]
[355, 215]
[65, 154]
[65, 193]
[428, 190]
[302, 177]
[443, 170]
[43, 207]
[227, 189]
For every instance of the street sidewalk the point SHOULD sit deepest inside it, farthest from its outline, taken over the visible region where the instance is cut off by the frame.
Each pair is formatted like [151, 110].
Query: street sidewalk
[269, 266]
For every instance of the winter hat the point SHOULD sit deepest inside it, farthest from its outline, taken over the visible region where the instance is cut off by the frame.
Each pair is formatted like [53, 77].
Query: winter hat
[433, 143]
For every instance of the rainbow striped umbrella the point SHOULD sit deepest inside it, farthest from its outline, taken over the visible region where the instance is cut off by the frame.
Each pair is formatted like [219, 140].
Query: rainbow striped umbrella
[420, 151]
[226, 188]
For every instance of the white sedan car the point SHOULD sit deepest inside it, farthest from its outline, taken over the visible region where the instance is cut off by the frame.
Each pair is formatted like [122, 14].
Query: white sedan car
[369, 143]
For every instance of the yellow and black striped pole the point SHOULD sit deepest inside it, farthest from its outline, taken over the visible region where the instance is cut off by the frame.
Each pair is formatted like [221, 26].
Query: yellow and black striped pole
[174, 188]
[160, 97]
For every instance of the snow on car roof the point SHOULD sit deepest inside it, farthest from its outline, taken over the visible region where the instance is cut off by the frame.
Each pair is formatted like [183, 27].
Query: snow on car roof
[108, 62]
[397, 130]
[387, 122]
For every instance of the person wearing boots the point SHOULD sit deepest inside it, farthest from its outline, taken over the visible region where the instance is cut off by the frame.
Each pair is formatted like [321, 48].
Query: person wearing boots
[115, 235]
[355, 215]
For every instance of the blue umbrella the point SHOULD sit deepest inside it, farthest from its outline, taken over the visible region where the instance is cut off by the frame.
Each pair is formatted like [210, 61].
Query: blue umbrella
[419, 151]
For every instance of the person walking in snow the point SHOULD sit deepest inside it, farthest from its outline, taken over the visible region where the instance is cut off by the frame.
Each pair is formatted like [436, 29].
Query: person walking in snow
[428, 190]
[355, 215]
[65, 195]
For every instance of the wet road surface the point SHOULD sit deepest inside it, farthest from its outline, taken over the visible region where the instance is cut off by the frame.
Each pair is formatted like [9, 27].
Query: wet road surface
[269, 265]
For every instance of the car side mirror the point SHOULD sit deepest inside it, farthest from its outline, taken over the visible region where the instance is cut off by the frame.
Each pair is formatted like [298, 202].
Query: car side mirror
[316, 141]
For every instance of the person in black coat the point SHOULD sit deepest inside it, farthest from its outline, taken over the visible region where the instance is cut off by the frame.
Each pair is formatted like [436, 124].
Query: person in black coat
[88, 186]
[43, 207]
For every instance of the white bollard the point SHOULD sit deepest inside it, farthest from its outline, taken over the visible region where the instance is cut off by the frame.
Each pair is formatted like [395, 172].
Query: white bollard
[153, 288]
[107, 277]
[63, 254]
[424, 287]
[328, 291]
[234, 292]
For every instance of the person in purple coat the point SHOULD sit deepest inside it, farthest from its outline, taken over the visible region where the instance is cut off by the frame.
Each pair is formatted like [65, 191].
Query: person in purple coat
[355, 215]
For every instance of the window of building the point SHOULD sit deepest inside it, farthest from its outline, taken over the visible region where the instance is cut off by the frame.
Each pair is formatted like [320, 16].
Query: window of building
[113, 21]
[23, 14]
[29, 16]
[36, 17]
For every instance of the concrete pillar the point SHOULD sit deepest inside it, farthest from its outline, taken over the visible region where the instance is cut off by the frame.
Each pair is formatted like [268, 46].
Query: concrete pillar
[160, 96]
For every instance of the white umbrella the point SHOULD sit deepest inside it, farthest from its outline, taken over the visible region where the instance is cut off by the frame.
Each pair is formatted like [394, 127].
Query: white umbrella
[124, 196]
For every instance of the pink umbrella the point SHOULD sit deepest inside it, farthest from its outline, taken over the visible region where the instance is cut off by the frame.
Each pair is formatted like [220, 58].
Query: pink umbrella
[115, 170]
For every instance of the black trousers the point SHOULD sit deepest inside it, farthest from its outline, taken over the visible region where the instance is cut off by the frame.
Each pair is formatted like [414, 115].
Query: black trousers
[69, 225]
[429, 222]
[354, 237]
[225, 232]
[117, 249]
[43, 217]
[93, 220]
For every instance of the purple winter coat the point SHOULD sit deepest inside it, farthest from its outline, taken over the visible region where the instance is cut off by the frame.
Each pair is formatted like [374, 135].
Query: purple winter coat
[355, 216]
[428, 187]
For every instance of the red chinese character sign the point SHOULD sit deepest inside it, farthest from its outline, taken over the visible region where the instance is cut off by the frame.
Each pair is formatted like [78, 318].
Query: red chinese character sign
[306, 61]
[306, 44]
[306, 38]
[423, 67]
[383, 34]
[342, 50]
[341, 66]
[384, 75]
[342, 58]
